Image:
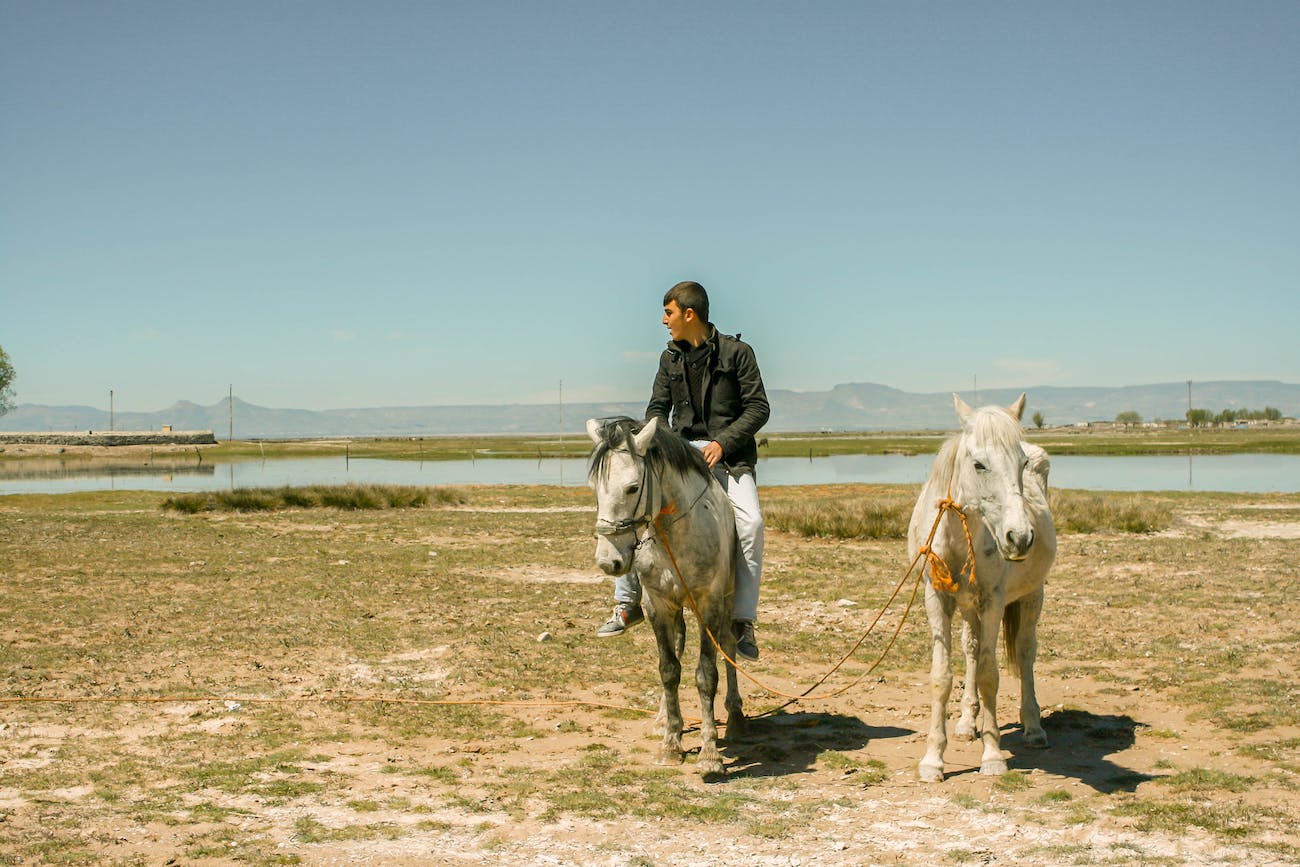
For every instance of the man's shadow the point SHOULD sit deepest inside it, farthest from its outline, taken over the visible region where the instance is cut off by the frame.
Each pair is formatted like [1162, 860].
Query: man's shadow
[789, 743]
[1080, 741]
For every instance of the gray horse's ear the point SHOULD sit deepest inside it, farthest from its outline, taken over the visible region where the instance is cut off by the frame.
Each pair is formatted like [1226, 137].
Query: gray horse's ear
[641, 441]
[964, 410]
[593, 430]
[1017, 409]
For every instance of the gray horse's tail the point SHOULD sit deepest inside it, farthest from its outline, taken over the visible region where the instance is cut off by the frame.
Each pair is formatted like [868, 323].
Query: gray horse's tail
[1010, 631]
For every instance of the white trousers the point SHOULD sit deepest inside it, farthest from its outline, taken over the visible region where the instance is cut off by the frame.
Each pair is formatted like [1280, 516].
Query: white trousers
[743, 493]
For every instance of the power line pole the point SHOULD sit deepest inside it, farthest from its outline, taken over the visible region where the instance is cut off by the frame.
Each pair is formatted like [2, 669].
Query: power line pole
[232, 413]
[110, 410]
[561, 433]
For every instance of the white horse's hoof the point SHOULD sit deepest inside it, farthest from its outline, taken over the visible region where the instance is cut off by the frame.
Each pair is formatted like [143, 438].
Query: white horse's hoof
[671, 757]
[930, 773]
[1036, 739]
[993, 767]
[966, 730]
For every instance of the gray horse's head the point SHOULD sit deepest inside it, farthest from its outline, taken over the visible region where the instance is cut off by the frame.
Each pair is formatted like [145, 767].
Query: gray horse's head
[989, 471]
[629, 467]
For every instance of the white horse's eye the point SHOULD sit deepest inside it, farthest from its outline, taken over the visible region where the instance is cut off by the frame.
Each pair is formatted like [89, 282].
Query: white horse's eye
[632, 489]
[980, 466]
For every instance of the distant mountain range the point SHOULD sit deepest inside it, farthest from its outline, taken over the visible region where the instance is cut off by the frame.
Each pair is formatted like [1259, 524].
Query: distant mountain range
[849, 407]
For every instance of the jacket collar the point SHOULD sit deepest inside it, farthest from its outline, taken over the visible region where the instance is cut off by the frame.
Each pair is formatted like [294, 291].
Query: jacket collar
[683, 349]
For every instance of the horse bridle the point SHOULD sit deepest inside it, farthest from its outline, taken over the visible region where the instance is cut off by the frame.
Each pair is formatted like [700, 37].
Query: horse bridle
[640, 516]
[644, 517]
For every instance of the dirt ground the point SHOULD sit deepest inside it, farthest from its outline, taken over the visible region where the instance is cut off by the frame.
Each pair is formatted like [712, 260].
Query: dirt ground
[1150, 762]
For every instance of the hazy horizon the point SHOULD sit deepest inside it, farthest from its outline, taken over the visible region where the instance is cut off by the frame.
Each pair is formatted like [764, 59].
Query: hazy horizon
[969, 394]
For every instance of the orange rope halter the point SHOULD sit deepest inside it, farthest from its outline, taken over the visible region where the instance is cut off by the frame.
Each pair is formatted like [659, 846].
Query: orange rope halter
[941, 577]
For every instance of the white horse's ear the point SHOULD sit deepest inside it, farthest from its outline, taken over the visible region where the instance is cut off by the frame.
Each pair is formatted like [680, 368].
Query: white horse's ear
[641, 441]
[964, 410]
[1017, 409]
[593, 430]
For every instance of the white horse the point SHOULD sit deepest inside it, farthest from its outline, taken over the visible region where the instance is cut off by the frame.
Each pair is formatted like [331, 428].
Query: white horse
[660, 511]
[999, 482]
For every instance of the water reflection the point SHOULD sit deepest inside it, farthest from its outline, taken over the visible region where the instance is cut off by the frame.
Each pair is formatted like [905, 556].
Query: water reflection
[43, 469]
[1245, 473]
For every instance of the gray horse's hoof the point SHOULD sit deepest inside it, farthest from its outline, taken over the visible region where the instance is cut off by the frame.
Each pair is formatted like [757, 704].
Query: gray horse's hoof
[671, 757]
[712, 771]
[737, 725]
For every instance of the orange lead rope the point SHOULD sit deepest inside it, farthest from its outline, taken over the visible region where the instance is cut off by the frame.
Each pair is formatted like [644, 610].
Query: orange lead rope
[941, 577]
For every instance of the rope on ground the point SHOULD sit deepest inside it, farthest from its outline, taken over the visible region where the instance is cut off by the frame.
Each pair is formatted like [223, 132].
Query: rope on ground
[925, 551]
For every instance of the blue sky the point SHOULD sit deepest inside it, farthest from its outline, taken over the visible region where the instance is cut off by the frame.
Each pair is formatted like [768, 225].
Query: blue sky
[397, 203]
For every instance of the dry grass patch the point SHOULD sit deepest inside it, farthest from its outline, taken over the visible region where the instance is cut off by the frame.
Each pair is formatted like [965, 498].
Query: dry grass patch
[1164, 674]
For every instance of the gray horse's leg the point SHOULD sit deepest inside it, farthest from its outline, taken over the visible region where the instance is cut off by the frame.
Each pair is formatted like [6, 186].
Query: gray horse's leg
[938, 611]
[970, 702]
[735, 704]
[986, 677]
[706, 682]
[1026, 651]
[666, 629]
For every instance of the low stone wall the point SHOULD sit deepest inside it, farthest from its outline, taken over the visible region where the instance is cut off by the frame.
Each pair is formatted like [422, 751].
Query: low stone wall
[112, 438]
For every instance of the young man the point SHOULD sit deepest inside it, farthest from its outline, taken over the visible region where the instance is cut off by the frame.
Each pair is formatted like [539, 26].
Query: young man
[709, 389]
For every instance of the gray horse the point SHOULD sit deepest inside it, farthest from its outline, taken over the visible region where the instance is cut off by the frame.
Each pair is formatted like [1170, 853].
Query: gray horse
[660, 511]
[999, 482]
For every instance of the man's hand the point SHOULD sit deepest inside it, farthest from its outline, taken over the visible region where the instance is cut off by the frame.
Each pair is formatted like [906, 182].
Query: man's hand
[712, 453]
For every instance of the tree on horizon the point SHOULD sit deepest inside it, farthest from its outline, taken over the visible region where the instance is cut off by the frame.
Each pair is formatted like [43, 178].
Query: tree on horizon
[7, 376]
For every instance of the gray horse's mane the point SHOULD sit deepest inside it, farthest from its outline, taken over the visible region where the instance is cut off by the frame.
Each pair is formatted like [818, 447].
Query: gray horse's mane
[991, 425]
[667, 450]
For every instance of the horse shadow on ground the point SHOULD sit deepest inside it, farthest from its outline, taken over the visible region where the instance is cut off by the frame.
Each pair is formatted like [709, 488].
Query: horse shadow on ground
[1080, 742]
[789, 743]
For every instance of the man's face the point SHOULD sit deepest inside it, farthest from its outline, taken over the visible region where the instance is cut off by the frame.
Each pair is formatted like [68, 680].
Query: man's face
[675, 320]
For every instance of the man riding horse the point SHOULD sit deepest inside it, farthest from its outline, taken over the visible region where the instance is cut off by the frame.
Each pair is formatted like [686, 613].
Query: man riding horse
[708, 387]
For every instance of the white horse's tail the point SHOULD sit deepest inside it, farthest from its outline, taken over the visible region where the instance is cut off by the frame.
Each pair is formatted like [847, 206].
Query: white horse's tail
[1010, 631]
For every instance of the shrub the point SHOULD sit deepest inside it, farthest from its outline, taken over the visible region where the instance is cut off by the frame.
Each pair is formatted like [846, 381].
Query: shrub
[315, 497]
[843, 518]
[1076, 512]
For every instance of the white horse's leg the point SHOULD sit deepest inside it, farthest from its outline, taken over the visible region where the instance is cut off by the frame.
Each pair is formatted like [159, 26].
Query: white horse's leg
[990, 619]
[970, 702]
[1026, 651]
[666, 629]
[939, 613]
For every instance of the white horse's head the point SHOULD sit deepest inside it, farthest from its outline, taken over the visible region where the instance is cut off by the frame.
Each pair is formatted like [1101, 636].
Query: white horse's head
[623, 482]
[989, 473]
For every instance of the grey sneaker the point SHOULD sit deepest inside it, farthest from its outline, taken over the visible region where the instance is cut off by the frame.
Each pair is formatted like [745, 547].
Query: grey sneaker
[746, 644]
[625, 616]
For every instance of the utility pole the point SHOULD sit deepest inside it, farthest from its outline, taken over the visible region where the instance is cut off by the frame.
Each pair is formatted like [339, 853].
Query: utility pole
[1189, 403]
[110, 410]
[561, 433]
[232, 413]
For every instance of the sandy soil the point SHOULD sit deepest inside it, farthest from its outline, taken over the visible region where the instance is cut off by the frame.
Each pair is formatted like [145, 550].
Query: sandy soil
[1110, 738]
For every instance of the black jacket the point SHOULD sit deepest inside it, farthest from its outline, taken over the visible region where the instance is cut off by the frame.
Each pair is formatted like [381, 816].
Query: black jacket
[734, 401]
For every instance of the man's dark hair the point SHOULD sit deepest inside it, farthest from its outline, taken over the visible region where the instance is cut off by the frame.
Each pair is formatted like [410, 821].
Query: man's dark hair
[690, 295]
